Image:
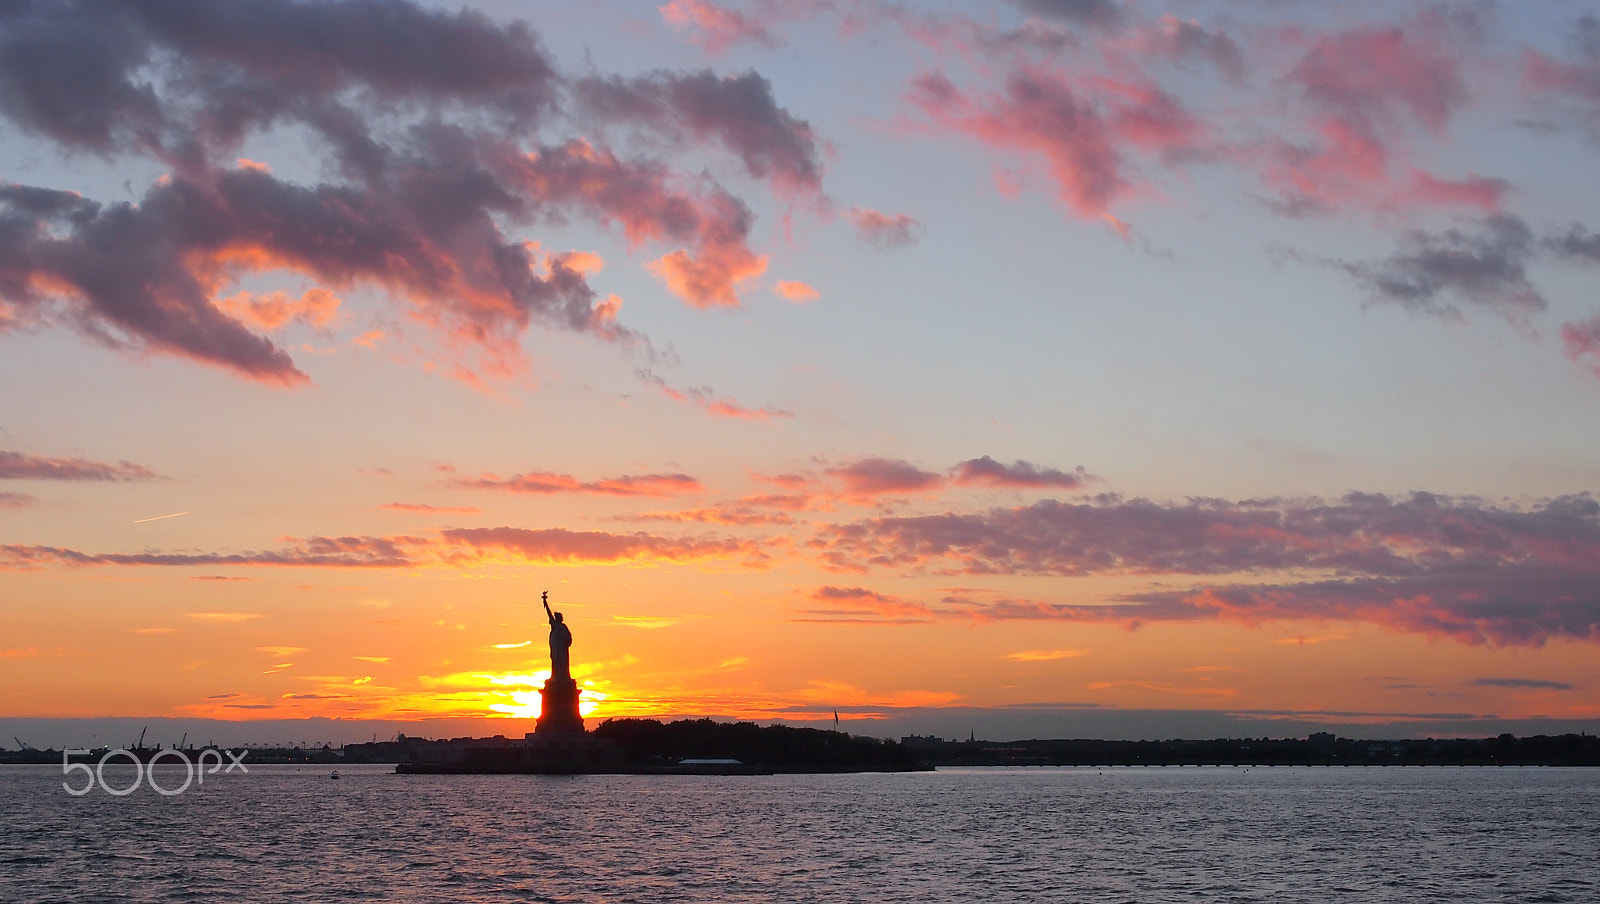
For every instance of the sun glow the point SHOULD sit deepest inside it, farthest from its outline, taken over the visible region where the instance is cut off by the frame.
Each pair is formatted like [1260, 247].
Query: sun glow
[525, 702]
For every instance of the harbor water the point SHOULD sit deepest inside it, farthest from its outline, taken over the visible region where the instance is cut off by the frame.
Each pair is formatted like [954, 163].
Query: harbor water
[285, 833]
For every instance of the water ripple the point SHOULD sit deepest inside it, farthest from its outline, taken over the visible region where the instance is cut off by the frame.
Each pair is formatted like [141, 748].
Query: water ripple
[1119, 835]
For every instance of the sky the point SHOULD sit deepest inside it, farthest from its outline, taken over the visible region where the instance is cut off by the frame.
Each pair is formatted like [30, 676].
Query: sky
[1058, 367]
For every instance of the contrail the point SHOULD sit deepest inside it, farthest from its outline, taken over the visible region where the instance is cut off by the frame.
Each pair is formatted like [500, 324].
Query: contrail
[159, 517]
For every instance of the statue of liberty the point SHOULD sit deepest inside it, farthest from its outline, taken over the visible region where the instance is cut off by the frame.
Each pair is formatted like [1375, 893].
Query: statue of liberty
[560, 642]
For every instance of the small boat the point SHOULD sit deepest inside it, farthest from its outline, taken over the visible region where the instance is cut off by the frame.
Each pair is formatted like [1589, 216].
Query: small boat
[335, 775]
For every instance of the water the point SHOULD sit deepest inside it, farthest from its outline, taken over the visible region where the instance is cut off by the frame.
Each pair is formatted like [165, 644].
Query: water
[1091, 835]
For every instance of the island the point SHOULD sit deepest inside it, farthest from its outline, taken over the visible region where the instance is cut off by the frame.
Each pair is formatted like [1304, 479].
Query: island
[560, 744]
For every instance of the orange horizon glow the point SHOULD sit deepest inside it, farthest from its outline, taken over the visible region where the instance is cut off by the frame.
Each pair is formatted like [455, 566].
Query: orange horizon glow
[1032, 363]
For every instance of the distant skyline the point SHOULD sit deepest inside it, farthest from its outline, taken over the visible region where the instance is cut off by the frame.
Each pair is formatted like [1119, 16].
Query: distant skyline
[1077, 366]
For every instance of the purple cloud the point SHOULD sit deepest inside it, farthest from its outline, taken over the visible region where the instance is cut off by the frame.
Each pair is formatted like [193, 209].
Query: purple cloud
[737, 112]
[1523, 683]
[21, 466]
[1018, 474]
[1486, 267]
[871, 477]
[425, 122]
[884, 231]
[1457, 568]
[1084, 12]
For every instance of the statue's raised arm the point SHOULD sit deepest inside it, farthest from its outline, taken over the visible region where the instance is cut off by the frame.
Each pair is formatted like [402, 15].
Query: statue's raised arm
[548, 614]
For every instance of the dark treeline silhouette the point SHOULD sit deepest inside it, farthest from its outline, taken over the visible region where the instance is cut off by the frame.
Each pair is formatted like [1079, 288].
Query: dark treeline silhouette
[1321, 749]
[648, 745]
[251, 754]
[778, 747]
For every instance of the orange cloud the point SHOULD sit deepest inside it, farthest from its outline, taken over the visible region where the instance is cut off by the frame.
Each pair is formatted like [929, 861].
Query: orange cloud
[722, 514]
[859, 605]
[708, 279]
[315, 307]
[796, 291]
[419, 508]
[1045, 655]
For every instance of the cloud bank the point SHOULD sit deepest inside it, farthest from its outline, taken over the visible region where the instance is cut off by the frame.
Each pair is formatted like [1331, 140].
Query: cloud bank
[1458, 568]
[437, 132]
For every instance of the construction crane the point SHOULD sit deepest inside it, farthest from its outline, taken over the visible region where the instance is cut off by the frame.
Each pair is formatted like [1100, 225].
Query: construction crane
[185, 738]
[21, 745]
[140, 745]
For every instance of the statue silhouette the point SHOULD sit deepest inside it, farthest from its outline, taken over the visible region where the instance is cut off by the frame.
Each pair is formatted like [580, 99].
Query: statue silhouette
[560, 642]
[558, 710]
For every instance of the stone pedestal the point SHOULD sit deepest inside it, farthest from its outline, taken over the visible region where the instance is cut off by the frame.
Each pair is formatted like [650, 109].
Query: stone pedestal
[559, 713]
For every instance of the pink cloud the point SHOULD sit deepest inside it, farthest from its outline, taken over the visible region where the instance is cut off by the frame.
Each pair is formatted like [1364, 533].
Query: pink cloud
[544, 482]
[884, 231]
[716, 28]
[1481, 192]
[1574, 85]
[796, 291]
[1581, 341]
[1036, 113]
[1368, 90]
[1081, 127]
[1581, 79]
[1374, 75]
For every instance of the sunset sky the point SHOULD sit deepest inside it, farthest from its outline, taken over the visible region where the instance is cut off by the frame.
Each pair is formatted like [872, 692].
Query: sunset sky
[1052, 360]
